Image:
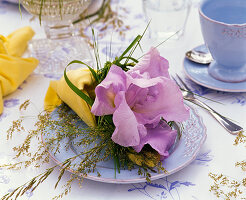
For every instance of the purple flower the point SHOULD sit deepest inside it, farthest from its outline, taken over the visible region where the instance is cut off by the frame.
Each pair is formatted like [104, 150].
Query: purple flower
[138, 99]
[162, 132]
[152, 64]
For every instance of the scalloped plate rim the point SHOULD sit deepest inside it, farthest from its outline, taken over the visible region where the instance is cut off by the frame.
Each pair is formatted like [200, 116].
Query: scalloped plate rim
[141, 179]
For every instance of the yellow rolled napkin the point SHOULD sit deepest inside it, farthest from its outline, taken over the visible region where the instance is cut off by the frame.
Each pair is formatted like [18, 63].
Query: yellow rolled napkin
[14, 69]
[3, 49]
[59, 92]
[17, 41]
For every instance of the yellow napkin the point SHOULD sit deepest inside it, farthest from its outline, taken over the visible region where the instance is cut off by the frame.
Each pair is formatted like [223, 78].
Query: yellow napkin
[3, 48]
[59, 92]
[17, 41]
[14, 69]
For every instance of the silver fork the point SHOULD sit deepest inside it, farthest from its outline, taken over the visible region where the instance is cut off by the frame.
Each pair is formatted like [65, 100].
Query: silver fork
[226, 123]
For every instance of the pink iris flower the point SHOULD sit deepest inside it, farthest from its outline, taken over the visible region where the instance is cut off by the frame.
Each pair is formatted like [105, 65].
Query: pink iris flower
[138, 99]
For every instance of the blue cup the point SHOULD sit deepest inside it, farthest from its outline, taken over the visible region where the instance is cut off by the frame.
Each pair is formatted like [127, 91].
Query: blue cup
[223, 24]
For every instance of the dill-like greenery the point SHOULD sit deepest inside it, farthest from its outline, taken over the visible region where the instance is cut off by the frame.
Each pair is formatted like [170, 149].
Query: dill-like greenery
[95, 144]
[226, 187]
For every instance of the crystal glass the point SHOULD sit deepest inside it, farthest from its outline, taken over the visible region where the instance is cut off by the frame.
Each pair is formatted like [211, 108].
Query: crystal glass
[167, 18]
[61, 45]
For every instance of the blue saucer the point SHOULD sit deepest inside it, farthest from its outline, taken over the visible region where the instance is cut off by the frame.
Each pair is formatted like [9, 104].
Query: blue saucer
[199, 74]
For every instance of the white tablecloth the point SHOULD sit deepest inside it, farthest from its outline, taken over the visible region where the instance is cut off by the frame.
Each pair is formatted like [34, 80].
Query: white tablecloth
[217, 155]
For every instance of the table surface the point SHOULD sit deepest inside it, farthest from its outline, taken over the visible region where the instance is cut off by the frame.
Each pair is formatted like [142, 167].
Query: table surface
[217, 155]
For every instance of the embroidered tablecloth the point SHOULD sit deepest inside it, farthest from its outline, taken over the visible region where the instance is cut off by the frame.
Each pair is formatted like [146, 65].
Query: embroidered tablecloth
[217, 155]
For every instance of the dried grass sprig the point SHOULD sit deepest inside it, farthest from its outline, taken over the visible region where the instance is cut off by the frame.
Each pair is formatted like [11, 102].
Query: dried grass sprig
[227, 187]
[107, 17]
[95, 143]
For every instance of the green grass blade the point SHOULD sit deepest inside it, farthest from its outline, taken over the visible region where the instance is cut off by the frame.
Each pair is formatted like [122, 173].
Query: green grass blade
[93, 72]
[128, 48]
[130, 58]
[138, 43]
[19, 5]
[81, 94]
